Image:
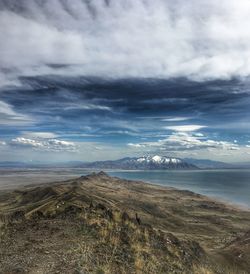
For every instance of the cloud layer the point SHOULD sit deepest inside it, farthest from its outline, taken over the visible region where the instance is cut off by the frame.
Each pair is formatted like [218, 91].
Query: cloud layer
[185, 141]
[8, 116]
[50, 145]
[162, 75]
[117, 38]
[104, 115]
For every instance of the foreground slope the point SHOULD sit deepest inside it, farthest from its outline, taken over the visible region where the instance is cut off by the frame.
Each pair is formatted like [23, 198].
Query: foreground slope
[100, 224]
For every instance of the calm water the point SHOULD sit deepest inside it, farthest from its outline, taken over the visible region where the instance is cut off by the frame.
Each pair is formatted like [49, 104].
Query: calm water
[228, 185]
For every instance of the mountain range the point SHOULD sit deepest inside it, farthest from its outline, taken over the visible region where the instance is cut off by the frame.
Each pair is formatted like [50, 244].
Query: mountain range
[143, 163]
[155, 162]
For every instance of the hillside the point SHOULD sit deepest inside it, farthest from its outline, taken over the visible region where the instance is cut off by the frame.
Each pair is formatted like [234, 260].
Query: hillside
[102, 224]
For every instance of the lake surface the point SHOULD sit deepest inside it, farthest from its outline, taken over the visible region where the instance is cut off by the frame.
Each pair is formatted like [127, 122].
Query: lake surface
[227, 185]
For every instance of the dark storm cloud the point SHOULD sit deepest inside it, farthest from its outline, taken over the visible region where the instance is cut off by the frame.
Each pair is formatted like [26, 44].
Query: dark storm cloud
[105, 105]
[113, 118]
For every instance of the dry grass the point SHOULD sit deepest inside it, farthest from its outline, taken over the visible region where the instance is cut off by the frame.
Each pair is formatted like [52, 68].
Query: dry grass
[90, 225]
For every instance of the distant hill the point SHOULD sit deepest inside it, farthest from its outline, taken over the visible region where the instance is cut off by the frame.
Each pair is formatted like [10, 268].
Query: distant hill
[142, 163]
[205, 163]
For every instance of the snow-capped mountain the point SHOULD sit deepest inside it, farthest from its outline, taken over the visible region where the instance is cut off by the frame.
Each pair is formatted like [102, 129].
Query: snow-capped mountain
[159, 160]
[155, 162]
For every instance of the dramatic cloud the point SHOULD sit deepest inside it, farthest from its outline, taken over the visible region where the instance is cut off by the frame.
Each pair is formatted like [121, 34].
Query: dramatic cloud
[158, 75]
[117, 38]
[44, 145]
[115, 112]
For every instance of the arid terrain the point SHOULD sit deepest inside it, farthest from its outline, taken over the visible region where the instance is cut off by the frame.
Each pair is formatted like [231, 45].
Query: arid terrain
[102, 224]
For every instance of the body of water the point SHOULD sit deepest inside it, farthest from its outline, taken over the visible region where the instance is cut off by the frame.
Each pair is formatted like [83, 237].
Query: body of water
[226, 185]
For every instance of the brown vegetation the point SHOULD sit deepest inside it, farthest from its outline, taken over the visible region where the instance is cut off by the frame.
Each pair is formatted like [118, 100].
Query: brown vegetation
[99, 224]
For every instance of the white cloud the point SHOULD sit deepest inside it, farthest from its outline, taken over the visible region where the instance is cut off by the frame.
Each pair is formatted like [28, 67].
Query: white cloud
[160, 38]
[44, 145]
[198, 134]
[185, 128]
[182, 141]
[175, 119]
[2, 143]
[21, 141]
[136, 145]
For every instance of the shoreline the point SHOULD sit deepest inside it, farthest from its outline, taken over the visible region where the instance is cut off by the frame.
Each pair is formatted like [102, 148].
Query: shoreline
[187, 192]
[14, 179]
[212, 198]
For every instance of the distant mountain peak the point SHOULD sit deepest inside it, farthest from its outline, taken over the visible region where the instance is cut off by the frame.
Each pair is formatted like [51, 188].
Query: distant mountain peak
[159, 159]
[155, 162]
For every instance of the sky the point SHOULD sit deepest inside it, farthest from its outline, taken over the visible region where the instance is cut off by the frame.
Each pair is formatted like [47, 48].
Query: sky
[92, 80]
